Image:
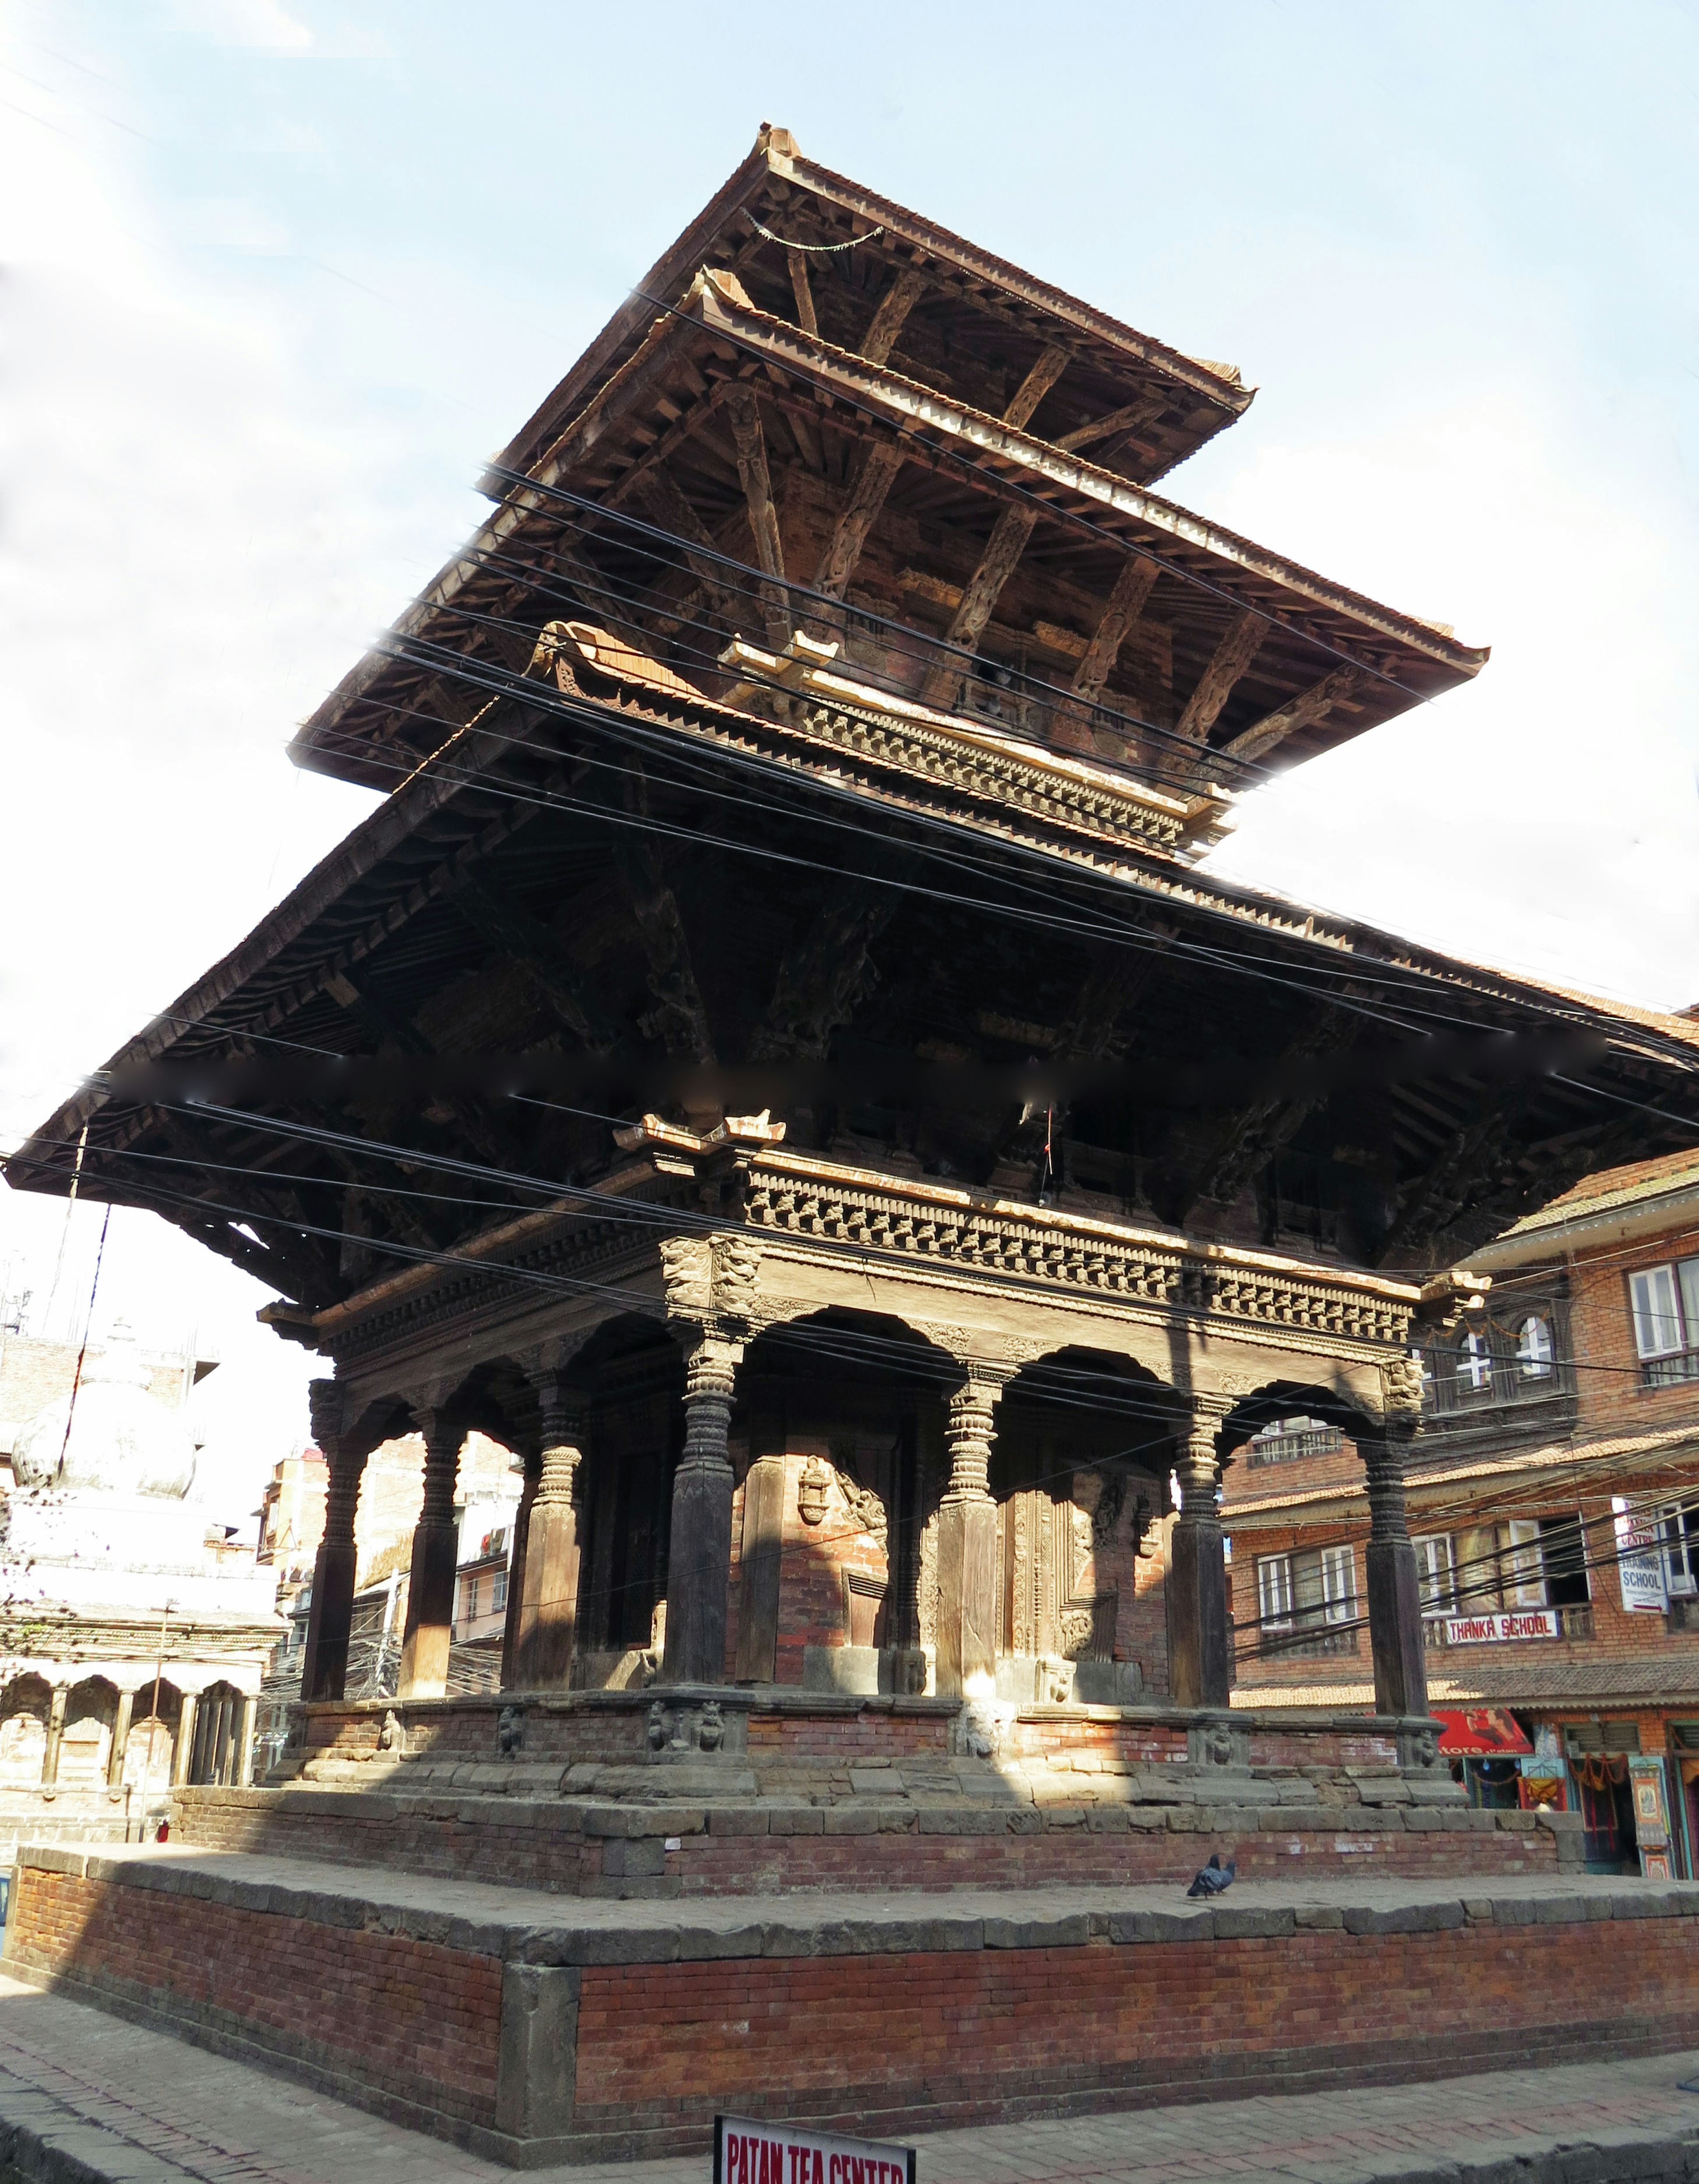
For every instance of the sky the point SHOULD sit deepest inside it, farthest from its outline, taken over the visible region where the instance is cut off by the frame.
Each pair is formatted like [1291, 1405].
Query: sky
[276, 276]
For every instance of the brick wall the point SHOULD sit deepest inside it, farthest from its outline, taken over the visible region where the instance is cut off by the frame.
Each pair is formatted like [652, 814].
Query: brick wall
[410, 2016]
[882, 2042]
[751, 1848]
[1609, 1396]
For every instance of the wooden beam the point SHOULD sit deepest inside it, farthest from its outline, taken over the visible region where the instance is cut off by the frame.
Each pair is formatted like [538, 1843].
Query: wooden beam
[1128, 419]
[510, 928]
[1302, 711]
[673, 512]
[680, 1018]
[1051, 364]
[1232, 657]
[804, 294]
[894, 306]
[822, 977]
[758, 497]
[1126, 603]
[880, 461]
[1003, 549]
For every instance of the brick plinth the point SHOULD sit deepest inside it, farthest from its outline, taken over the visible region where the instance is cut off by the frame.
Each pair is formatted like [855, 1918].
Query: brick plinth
[538, 2032]
[772, 1848]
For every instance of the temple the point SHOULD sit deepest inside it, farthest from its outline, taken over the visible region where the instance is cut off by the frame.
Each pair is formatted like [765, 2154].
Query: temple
[778, 1060]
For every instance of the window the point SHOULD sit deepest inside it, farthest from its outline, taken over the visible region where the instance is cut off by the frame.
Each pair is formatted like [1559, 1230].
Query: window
[1436, 1570]
[1563, 1552]
[1524, 1566]
[470, 1610]
[1274, 1592]
[1307, 1591]
[1665, 1304]
[499, 1592]
[1288, 1439]
[1475, 1364]
[1677, 1534]
[1533, 1349]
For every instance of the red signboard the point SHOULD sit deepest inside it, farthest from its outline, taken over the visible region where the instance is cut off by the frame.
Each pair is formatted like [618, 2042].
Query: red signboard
[1479, 1733]
[750, 2153]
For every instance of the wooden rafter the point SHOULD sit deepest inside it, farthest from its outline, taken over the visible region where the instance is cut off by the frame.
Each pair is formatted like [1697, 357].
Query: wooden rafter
[1051, 364]
[1302, 711]
[1126, 603]
[680, 1017]
[673, 512]
[875, 474]
[822, 977]
[758, 498]
[1128, 419]
[894, 306]
[1003, 549]
[1232, 657]
[797, 266]
[510, 928]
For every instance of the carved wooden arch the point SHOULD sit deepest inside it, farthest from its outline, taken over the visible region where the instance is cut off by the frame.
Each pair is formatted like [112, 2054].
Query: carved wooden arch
[1252, 1408]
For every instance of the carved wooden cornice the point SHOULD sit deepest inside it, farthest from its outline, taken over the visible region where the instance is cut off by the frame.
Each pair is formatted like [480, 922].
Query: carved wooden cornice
[827, 714]
[1078, 1257]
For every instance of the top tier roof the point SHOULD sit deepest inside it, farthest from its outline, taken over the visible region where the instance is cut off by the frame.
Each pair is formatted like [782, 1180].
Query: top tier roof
[978, 326]
[919, 450]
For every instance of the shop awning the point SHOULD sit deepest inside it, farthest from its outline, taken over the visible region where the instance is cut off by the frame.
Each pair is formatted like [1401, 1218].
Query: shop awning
[1479, 1733]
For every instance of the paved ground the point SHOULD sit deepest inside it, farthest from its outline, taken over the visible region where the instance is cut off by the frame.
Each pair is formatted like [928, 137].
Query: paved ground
[83, 2096]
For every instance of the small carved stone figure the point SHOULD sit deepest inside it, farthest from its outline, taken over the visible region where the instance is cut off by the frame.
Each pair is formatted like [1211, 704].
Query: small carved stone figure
[1218, 1747]
[811, 1490]
[510, 1732]
[657, 1726]
[389, 1737]
[712, 1732]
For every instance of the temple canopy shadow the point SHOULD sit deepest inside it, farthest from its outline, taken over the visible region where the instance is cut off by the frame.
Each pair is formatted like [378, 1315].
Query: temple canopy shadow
[1080, 1466]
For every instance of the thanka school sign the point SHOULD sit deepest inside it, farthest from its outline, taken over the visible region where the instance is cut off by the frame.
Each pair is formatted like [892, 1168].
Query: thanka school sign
[1495, 1630]
[748, 2152]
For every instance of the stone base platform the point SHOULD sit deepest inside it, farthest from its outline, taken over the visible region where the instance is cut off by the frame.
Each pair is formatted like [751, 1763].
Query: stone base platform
[537, 2030]
[617, 1795]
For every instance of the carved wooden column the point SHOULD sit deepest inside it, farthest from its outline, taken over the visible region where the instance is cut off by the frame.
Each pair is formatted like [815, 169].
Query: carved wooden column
[700, 1561]
[243, 1774]
[120, 1740]
[1395, 1595]
[184, 1749]
[515, 1567]
[56, 1729]
[967, 1618]
[436, 1550]
[1200, 1641]
[324, 1658]
[760, 1568]
[548, 1609]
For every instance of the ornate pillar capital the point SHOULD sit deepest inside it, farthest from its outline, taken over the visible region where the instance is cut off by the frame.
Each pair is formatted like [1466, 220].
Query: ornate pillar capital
[711, 1365]
[1401, 1390]
[1197, 1458]
[971, 1423]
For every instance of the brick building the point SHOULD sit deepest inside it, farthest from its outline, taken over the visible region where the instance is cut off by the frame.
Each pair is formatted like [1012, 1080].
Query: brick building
[1554, 1501]
[292, 1525]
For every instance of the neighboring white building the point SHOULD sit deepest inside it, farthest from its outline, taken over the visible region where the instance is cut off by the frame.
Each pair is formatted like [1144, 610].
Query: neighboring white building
[133, 1636]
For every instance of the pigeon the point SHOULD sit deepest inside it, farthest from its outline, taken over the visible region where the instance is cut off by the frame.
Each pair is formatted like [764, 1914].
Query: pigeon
[1214, 1877]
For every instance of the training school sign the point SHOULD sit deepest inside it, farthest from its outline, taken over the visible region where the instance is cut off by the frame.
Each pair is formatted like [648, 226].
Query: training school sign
[748, 2152]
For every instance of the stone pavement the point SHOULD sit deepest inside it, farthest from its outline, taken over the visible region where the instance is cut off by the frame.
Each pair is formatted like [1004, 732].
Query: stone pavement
[86, 2096]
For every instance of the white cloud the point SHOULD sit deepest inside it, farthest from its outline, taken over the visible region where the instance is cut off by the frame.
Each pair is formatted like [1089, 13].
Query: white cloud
[194, 547]
[1544, 817]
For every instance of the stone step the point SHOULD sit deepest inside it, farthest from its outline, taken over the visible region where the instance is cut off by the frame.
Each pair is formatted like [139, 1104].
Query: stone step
[897, 1834]
[535, 2028]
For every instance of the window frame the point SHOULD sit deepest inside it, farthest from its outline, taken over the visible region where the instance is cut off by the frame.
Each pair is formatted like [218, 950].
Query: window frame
[1438, 1595]
[1664, 1314]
